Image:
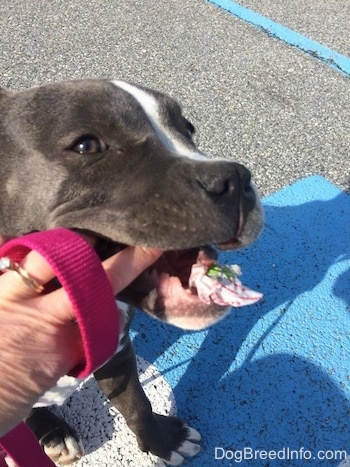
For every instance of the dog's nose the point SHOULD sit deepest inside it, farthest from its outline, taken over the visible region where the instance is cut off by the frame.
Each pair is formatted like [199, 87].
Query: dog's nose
[225, 178]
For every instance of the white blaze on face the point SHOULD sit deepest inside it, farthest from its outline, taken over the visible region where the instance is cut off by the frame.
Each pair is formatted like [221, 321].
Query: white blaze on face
[169, 138]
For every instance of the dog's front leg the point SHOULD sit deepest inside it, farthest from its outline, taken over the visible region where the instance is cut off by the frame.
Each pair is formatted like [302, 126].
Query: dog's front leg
[166, 437]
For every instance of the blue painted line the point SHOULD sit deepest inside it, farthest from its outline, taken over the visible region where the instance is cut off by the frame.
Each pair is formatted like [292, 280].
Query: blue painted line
[335, 60]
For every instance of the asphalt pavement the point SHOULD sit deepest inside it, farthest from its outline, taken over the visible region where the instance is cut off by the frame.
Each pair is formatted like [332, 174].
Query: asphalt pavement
[251, 97]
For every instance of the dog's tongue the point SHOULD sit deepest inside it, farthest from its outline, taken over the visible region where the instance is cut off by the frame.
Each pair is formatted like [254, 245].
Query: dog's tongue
[220, 284]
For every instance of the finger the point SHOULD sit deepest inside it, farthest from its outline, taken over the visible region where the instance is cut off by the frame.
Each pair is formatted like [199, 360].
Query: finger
[128, 264]
[14, 287]
[121, 270]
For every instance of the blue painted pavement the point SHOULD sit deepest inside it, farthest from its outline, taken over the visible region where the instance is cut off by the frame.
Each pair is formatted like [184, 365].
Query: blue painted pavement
[276, 375]
[331, 58]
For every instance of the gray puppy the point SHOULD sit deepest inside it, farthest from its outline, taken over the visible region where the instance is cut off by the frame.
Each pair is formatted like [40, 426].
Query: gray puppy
[117, 162]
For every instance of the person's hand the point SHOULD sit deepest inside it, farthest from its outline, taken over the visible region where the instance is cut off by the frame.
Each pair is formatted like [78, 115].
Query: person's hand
[39, 341]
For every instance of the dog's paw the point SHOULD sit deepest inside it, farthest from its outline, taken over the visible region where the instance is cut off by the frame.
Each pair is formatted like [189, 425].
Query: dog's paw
[59, 441]
[170, 439]
[188, 448]
[63, 445]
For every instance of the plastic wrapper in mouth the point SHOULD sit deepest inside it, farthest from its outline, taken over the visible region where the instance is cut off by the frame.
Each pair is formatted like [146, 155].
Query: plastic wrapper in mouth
[220, 284]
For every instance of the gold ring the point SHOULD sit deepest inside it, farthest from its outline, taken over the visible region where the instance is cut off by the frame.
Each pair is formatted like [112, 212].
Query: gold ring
[9, 265]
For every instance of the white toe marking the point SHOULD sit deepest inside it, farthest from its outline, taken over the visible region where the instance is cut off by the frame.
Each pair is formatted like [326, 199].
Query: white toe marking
[54, 451]
[193, 434]
[151, 108]
[188, 449]
[74, 447]
[68, 451]
[175, 459]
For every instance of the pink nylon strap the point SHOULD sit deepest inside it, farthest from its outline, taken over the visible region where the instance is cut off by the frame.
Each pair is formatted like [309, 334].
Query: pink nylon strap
[81, 274]
[23, 448]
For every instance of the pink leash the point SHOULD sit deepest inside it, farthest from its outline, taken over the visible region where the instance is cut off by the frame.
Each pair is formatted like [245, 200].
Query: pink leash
[79, 270]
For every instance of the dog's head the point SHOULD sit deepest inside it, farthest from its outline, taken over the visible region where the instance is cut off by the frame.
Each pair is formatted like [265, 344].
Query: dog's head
[118, 162]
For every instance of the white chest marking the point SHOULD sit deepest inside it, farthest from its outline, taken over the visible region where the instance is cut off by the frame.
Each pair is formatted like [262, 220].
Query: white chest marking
[151, 108]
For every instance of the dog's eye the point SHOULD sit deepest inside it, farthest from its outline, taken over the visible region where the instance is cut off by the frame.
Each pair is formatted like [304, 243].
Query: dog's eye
[189, 127]
[89, 144]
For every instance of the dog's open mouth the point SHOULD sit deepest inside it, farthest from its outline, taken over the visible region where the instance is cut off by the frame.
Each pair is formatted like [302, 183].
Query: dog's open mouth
[163, 289]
